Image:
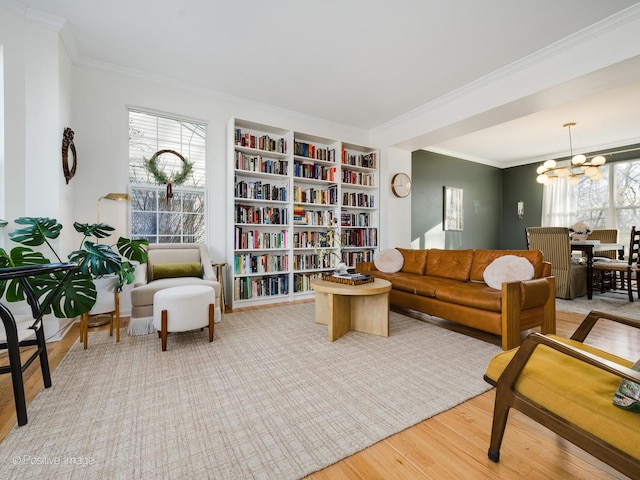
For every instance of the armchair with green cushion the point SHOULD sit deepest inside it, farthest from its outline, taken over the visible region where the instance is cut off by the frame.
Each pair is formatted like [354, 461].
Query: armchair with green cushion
[170, 265]
[569, 387]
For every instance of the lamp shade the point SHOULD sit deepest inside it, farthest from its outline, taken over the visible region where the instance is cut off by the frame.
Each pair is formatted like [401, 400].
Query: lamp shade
[118, 197]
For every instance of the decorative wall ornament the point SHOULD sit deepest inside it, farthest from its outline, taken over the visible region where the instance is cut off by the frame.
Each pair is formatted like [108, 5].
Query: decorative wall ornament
[175, 178]
[453, 209]
[67, 144]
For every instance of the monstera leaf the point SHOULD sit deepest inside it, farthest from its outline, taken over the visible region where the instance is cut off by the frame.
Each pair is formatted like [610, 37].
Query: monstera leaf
[18, 257]
[98, 230]
[133, 250]
[36, 232]
[77, 296]
[96, 259]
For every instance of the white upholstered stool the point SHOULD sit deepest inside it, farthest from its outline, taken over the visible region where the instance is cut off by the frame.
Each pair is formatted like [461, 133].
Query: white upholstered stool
[180, 309]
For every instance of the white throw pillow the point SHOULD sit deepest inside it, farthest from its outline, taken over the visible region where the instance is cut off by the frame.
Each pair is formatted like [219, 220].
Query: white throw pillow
[509, 268]
[388, 260]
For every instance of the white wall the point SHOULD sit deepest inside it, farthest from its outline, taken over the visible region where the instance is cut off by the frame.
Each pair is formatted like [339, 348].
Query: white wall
[101, 137]
[44, 93]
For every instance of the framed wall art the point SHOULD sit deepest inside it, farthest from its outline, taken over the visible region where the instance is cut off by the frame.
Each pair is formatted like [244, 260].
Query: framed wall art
[453, 209]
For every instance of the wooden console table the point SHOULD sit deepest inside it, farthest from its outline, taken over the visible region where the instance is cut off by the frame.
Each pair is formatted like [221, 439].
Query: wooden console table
[363, 308]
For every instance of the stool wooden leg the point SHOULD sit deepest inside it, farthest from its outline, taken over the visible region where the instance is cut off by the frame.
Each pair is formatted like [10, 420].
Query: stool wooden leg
[111, 324]
[163, 330]
[211, 318]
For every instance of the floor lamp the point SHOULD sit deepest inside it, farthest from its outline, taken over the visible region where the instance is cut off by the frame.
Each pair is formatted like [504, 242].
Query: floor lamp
[118, 197]
[100, 319]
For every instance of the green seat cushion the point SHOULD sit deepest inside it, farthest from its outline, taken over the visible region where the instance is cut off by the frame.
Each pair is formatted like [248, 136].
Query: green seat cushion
[578, 392]
[173, 270]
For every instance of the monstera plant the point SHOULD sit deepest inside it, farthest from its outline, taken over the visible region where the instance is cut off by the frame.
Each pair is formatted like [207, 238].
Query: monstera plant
[94, 260]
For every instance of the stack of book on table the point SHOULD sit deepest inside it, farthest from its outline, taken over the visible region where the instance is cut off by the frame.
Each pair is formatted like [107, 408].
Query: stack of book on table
[348, 278]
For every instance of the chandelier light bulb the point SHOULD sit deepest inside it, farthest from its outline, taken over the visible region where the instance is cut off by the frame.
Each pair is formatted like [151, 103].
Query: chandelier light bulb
[578, 159]
[548, 173]
[591, 172]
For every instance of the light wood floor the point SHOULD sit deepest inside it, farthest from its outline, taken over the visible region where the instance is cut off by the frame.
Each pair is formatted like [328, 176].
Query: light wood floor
[452, 444]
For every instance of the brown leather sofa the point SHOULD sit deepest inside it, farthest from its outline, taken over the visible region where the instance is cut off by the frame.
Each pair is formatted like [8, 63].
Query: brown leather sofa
[449, 284]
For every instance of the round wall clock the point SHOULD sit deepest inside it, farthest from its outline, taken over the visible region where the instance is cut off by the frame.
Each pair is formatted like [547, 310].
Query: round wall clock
[401, 185]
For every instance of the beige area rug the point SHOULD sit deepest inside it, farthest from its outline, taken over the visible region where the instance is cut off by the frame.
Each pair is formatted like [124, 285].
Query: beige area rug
[617, 303]
[270, 398]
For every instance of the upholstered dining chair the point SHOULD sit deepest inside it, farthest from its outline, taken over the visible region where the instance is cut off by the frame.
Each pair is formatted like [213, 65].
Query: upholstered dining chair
[605, 236]
[626, 268]
[170, 265]
[609, 235]
[555, 245]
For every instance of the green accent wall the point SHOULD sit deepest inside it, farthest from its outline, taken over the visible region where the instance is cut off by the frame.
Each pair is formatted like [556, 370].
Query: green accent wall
[491, 197]
[482, 198]
[519, 184]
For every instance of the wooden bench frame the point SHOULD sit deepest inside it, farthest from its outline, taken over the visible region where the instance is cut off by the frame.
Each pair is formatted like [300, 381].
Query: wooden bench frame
[507, 397]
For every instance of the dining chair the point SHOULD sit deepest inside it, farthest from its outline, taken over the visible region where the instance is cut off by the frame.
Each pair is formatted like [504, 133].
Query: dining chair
[626, 268]
[608, 235]
[555, 245]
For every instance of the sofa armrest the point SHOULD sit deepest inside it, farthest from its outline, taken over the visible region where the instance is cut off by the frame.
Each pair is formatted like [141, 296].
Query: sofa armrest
[518, 295]
[546, 269]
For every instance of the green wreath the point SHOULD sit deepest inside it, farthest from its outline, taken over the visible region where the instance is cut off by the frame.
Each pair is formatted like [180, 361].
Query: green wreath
[151, 166]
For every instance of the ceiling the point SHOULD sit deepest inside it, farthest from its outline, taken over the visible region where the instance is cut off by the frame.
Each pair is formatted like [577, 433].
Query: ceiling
[362, 63]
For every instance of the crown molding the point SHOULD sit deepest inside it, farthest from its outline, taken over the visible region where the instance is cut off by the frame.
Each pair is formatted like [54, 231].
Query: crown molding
[46, 20]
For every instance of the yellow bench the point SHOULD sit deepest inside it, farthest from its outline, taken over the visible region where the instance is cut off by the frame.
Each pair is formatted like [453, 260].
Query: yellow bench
[568, 387]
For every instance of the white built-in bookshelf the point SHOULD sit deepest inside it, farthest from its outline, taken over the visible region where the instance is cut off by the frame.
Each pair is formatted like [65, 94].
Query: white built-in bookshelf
[287, 191]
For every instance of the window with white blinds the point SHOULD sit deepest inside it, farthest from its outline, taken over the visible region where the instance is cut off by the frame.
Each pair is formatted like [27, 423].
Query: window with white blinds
[180, 218]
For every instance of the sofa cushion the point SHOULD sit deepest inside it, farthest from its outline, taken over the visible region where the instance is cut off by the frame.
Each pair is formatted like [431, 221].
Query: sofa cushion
[469, 294]
[389, 260]
[483, 258]
[509, 268]
[415, 261]
[454, 264]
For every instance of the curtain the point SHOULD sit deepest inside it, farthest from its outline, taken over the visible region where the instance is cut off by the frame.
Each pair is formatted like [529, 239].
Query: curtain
[559, 208]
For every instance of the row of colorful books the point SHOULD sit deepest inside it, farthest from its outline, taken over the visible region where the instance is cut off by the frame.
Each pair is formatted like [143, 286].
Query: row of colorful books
[303, 149]
[314, 171]
[252, 263]
[260, 191]
[256, 240]
[258, 163]
[246, 288]
[251, 214]
[368, 160]
[262, 142]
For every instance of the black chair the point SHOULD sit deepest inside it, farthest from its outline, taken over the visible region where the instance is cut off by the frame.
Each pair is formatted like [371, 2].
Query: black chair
[626, 268]
[13, 344]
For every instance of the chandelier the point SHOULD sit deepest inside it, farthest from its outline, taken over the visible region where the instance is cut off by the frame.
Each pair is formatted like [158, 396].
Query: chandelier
[548, 172]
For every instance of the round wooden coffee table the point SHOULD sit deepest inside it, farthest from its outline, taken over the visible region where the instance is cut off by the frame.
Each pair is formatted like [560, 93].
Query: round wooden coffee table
[362, 308]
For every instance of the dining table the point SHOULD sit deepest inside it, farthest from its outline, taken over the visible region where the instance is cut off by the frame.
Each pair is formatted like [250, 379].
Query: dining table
[588, 247]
